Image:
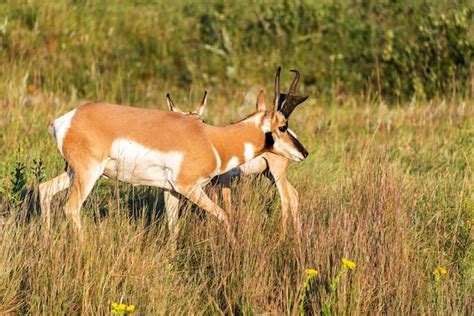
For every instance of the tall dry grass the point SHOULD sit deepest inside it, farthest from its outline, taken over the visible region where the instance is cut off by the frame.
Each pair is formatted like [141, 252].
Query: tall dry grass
[385, 187]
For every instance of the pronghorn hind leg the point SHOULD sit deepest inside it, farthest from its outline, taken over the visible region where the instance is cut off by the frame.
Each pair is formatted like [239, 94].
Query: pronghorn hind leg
[197, 195]
[83, 182]
[47, 190]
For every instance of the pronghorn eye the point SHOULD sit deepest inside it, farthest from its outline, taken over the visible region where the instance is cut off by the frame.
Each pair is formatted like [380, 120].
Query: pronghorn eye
[283, 128]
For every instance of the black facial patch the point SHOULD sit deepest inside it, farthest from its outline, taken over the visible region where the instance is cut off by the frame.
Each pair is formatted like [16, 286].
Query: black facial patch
[298, 146]
[269, 141]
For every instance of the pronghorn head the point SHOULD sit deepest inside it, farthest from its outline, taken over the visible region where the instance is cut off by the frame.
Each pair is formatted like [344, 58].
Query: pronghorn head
[199, 111]
[279, 138]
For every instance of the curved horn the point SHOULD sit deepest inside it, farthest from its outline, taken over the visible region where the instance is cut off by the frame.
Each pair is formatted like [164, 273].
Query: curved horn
[291, 103]
[202, 104]
[276, 98]
[295, 82]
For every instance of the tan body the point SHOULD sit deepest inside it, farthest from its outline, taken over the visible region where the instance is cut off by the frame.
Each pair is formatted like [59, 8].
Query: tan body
[169, 150]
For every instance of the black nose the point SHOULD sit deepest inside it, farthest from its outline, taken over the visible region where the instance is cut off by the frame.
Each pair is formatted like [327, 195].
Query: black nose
[305, 153]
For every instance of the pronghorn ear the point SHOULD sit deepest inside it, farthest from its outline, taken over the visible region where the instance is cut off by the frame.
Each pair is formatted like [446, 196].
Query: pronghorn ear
[270, 113]
[171, 105]
[261, 105]
[202, 105]
[169, 102]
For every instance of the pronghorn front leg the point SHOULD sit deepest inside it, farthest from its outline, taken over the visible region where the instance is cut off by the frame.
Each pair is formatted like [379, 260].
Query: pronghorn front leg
[294, 207]
[172, 210]
[288, 194]
[197, 195]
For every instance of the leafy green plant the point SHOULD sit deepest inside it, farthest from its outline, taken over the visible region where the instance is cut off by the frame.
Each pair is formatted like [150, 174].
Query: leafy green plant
[38, 170]
[18, 183]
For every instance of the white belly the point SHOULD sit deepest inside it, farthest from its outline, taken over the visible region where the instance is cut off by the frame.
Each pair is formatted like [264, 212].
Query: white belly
[133, 163]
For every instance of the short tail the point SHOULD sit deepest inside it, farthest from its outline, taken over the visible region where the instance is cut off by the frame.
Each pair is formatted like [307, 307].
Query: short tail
[52, 130]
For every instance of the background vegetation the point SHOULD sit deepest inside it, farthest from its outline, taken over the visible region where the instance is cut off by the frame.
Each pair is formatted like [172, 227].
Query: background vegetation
[387, 183]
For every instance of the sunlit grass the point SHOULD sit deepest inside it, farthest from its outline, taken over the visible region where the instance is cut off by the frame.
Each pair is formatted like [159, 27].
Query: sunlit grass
[385, 193]
[395, 199]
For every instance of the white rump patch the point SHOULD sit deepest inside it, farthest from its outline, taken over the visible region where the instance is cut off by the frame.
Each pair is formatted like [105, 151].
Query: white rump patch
[60, 127]
[233, 162]
[134, 163]
[249, 152]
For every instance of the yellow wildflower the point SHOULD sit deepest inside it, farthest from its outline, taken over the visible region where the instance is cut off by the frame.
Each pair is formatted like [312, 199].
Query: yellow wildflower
[122, 307]
[130, 308]
[114, 305]
[311, 273]
[440, 271]
[348, 264]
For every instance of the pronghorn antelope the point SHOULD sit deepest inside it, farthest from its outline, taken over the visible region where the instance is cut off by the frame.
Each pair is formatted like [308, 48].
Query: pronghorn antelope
[272, 165]
[164, 149]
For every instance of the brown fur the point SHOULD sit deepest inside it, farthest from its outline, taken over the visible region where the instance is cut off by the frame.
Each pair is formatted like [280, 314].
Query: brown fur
[95, 126]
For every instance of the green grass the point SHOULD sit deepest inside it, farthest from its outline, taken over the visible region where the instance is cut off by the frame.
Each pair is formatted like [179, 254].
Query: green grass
[386, 185]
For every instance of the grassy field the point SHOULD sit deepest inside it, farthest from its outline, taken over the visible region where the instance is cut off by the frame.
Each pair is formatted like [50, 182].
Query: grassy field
[387, 185]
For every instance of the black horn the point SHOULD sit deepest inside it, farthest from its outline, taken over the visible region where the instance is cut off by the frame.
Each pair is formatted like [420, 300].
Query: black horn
[294, 84]
[290, 101]
[276, 98]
